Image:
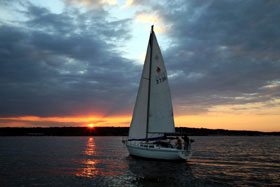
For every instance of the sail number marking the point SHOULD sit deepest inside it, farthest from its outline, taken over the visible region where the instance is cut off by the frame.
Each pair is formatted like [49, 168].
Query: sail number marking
[161, 78]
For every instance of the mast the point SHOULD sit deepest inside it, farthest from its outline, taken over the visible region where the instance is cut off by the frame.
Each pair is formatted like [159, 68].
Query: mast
[149, 87]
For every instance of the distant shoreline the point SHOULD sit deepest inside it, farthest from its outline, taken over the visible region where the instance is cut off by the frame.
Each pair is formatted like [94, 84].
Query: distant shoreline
[119, 131]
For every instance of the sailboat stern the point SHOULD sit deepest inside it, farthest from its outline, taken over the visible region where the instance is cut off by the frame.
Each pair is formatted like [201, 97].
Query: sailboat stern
[185, 155]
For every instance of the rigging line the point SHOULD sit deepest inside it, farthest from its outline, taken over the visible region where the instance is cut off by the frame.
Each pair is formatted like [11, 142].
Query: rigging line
[149, 88]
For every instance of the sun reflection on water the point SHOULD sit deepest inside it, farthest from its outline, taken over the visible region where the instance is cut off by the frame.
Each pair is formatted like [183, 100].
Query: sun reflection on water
[98, 160]
[89, 165]
[89, 170]
[90, 147]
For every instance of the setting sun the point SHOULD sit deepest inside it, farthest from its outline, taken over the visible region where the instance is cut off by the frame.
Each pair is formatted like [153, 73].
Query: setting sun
[90, 125]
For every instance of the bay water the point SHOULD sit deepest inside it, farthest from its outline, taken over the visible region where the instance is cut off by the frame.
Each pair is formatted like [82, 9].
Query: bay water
[104, 161]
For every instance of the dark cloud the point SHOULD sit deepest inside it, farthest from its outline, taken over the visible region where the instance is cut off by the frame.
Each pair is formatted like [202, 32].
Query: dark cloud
[60, 64]
[224, 52]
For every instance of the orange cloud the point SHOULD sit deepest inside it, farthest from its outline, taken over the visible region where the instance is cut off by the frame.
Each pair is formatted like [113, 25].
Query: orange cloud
[254, 116]
[151, 18]
[28, 121]
[266, 123]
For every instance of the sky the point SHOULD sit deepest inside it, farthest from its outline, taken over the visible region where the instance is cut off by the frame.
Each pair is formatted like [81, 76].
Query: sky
[75, 62]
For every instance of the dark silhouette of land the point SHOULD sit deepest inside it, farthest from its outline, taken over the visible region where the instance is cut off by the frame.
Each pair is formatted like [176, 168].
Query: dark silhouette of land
[120, 131]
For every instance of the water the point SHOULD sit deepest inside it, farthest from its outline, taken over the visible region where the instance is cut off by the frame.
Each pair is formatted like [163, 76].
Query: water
[104, 161]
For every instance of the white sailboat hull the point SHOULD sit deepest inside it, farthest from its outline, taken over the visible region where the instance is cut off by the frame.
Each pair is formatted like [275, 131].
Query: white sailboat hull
[158, 152]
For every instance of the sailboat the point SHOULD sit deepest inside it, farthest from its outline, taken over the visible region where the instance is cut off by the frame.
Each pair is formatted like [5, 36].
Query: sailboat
[152, 130]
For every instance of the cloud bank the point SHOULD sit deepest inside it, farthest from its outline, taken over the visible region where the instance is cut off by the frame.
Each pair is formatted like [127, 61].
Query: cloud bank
[70, 63]
[223, 52]
[64, 64]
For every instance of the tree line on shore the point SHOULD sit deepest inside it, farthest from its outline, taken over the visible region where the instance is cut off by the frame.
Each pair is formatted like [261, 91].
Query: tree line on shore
[119, 131]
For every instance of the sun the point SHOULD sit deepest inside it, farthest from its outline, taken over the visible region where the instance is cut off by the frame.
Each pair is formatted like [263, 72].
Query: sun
[90, 125]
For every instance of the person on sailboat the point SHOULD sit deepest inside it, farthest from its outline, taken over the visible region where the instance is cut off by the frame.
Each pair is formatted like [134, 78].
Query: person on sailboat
[179, 142]
[186, 142]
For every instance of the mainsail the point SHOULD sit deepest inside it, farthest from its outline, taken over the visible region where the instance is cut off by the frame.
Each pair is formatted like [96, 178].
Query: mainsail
[153, 113]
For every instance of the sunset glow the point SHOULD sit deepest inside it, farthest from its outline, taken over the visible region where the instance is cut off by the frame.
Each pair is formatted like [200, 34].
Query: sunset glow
[214, 120]
[90, 125]
[34, 121]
